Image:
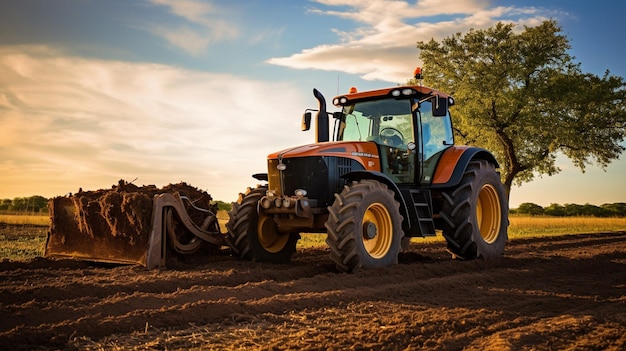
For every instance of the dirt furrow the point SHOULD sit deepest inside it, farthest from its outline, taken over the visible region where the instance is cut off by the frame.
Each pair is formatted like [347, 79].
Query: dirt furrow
[561, 292]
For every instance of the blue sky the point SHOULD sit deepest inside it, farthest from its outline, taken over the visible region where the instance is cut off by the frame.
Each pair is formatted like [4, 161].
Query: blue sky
[163, 91]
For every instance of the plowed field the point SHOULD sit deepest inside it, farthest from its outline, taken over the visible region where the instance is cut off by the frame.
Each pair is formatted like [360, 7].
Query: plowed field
[557, 293]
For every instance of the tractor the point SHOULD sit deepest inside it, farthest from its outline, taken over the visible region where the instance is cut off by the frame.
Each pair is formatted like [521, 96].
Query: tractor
[390, 173]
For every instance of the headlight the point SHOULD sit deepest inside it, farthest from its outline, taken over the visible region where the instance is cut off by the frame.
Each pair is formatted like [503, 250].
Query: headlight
[286, 202]
[266, 202]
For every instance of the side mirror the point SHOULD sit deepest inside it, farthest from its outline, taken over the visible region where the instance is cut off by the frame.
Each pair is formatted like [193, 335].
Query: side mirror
[440, 106]
[306, 121]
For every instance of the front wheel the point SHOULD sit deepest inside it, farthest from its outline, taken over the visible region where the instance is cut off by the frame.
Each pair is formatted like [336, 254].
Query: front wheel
[364, 227]
[475, 214]
[256, 236]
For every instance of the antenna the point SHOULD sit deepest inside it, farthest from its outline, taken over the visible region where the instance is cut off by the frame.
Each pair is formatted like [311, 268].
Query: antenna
[337, 84]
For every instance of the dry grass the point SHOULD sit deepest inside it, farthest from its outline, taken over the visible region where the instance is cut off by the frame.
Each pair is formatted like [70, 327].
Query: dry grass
[22, 241]
[26, 237]
[521, 227]
[22, 237]
[525, 226]
[25, 219]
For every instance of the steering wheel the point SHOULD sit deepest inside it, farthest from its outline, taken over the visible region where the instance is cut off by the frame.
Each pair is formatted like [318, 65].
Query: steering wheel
[392, 134]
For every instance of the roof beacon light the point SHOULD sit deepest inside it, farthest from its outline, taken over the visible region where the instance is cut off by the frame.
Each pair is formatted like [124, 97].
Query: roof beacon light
[418, 73]
[352, 90]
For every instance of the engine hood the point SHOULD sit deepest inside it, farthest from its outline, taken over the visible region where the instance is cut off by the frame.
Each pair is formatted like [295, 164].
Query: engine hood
[365, 152]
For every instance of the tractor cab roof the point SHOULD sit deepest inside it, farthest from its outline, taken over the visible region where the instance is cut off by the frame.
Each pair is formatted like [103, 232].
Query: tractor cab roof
[400, 92]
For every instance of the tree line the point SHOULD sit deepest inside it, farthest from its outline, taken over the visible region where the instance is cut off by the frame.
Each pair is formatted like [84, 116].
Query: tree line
[31, 204]
[39, 204]
[617, 209]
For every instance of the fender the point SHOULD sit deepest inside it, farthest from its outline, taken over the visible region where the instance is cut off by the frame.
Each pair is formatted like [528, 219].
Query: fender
[383, 178]
[453, 164]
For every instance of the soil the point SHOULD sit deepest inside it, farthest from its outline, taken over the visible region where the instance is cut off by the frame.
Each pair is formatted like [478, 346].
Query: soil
[557, 293]
[114, 224]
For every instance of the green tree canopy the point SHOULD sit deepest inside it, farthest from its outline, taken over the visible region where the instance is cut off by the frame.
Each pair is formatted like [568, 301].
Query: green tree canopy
[34, 203]
[554, 210]
[616, 209]
[606, 210]
[520, 95]
[530, 209]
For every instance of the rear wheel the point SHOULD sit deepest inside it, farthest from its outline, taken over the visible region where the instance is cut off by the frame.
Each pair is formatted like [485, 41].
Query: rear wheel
[256, 237]
[475, 214]
[364, 227]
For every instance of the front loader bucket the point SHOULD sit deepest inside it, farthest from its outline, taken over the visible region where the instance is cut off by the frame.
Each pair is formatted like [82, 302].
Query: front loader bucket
[131, 225]
[80, 230]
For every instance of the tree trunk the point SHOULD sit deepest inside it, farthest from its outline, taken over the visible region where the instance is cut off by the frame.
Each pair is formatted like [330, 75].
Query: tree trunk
[508, 182]
[512, 165]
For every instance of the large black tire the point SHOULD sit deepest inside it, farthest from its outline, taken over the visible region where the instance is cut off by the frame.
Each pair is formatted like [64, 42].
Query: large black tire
[475, 214]
[255, 237]
[364, 227]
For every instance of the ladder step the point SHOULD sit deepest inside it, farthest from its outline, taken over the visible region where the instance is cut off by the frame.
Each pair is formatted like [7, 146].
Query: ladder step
[423, 207]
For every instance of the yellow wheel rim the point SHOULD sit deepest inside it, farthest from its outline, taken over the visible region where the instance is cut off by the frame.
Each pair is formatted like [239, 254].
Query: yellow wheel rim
[488, 213]
[377, 230]
[269, 238]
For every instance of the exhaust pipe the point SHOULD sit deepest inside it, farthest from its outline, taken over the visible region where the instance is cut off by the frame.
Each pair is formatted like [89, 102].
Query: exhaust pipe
[322, 124]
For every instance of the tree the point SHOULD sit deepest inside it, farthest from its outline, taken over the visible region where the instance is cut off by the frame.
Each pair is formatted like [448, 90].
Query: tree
[554, 210]
[616, 209]
[5, 204]
[34, 203]
[530, 209]
[18, 204]
[573, 210]
[37, 203]
[521, 96]
[225, 206]
[595, 211]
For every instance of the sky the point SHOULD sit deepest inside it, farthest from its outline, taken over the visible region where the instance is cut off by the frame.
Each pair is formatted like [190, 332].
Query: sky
[164, 91]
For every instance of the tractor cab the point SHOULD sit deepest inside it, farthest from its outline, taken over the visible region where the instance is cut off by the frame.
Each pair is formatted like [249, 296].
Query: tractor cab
[410, 125]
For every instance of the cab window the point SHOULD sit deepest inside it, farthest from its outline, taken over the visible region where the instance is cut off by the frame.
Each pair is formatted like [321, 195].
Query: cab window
[388, 123]
[436, 131]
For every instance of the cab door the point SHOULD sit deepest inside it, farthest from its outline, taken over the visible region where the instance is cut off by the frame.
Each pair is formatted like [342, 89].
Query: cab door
[435, 136]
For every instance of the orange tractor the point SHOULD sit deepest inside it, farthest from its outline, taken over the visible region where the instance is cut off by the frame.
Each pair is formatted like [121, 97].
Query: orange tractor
[391, 172]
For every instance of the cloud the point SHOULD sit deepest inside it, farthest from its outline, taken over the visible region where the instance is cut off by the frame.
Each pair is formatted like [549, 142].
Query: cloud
[383, 45]
[193, 11]
[199, 24]
[69, 122]
[264, 35]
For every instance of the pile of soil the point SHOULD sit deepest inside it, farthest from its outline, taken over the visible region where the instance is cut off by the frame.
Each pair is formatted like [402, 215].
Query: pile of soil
[113, 224]
[554, 293]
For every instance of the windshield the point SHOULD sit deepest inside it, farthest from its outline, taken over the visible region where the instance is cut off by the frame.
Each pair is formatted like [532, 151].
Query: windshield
[389, 124]
[386, 122]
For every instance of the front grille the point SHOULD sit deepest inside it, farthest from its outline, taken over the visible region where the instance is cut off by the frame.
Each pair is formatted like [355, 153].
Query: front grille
[320, 176]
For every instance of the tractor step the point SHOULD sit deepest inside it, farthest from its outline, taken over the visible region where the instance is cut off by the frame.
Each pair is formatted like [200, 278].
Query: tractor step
[419, 205]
